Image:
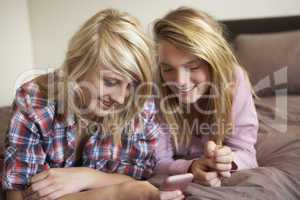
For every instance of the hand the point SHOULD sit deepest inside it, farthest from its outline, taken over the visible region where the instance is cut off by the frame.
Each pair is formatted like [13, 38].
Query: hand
[56, 182]
[203, 175]
[171, 195]
[223, 157]
[138, 190]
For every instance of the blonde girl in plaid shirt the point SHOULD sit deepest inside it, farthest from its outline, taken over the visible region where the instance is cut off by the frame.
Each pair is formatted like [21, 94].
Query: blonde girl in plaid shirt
[88, 113]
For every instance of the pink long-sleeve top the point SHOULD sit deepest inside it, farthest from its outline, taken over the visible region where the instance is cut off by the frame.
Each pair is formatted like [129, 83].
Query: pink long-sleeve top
[241, 141]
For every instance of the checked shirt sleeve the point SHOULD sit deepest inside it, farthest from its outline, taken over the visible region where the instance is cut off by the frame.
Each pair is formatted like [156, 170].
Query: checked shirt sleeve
[24, 155]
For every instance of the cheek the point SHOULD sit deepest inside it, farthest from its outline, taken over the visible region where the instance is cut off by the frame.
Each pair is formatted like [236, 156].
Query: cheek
[201, 76]
[105, 91]
[102, 89]
[167, 77]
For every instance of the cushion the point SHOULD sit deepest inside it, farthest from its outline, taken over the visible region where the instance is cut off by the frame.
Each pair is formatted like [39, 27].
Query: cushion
[5, 115]
[265, 57]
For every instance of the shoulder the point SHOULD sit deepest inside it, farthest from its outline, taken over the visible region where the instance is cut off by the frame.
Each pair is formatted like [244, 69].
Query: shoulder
[242, 84]
[32, 102]
[243, 103]
[241, 76]
[29, 95]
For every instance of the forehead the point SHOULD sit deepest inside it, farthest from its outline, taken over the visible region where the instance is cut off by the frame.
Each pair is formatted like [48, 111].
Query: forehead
[169, 54]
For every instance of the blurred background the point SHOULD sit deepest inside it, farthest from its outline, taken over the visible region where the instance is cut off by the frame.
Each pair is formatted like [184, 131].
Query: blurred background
[34, 33]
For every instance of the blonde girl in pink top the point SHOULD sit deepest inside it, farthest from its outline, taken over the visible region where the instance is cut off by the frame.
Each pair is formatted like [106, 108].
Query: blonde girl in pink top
[206, 100]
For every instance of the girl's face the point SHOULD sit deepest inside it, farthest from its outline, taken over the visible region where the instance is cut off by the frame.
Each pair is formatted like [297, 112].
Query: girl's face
[104, 90]
[185, 74]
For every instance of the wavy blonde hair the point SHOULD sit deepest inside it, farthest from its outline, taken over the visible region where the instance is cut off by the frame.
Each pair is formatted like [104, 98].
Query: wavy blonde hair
[115, 40]
[198, 33]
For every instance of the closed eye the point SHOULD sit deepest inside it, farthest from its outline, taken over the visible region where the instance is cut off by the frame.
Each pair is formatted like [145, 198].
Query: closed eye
[110, 82]
[165, 68]
[194, 67]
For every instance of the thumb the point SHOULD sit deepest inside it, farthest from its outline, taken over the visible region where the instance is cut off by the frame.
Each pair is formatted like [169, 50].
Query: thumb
[210, 148]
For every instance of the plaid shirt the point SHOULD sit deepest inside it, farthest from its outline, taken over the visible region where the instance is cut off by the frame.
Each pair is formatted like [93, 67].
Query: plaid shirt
[38, 140]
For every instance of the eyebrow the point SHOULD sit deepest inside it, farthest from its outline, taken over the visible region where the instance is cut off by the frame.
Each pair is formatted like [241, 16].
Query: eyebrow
[191, 61]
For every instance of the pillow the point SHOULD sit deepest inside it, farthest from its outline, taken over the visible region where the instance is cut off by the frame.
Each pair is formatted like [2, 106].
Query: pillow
[265, 57]
[279, 146]
[279, 150]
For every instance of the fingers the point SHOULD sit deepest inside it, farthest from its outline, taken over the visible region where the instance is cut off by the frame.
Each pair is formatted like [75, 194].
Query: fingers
[44, 192]
[210, 164]
[226, 174]
[219, 159]
[171, 195]
[225, 159]
[32, 196]
[54, 195]
[215, 182]
[221, 154]
[179, 198]
[42, 186]
[211, 149]
[205, 176]
[39, 177]
[222, 151]
[223, 167]
[37, 186]
[210, 178]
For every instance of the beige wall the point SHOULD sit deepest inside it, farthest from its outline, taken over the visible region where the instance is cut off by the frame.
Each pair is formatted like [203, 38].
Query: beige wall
[52, 22]
[15, 46]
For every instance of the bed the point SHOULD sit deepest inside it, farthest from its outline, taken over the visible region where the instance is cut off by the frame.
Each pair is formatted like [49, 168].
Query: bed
[269, 49]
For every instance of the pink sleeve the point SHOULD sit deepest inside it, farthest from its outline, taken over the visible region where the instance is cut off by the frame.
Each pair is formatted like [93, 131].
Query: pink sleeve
[245, 124]
[164, 156]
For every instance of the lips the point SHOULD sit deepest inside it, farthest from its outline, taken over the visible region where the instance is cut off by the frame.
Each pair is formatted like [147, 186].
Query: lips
[107, 104]
[185, 91]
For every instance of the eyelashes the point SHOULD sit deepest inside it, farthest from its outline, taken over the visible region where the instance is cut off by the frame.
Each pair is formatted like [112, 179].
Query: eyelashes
[110, 82]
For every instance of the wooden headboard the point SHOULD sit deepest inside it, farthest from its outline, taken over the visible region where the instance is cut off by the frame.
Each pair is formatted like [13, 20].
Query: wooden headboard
[260, 25]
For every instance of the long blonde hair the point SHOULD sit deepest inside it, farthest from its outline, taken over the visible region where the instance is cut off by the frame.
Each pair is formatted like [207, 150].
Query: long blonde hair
[198, 33]
[115, 40]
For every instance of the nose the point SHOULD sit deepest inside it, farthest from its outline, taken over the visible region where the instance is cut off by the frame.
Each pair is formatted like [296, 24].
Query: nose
[119, 95]
[182, 77]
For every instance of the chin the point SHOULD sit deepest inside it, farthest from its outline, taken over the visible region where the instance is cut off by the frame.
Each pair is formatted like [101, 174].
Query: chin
[190, 99]
[101, 112]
